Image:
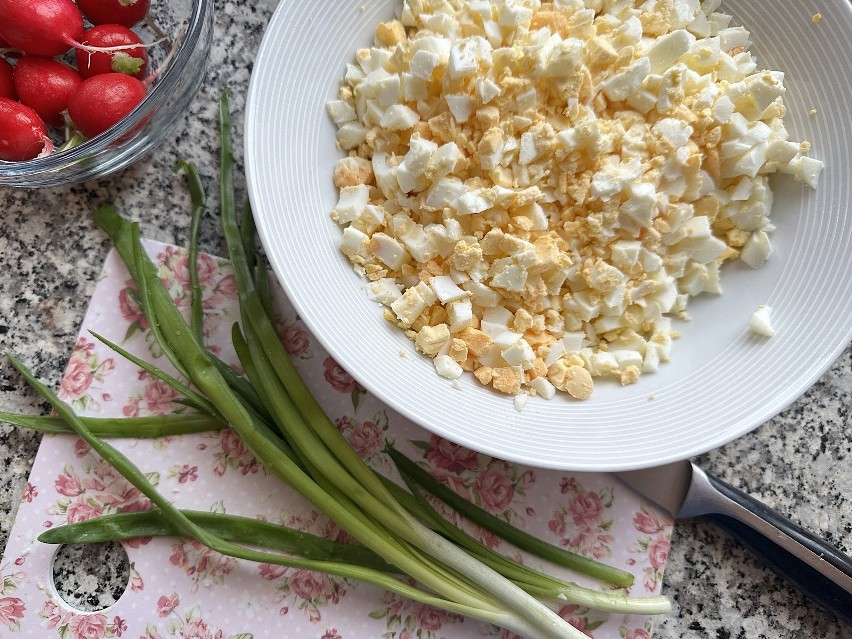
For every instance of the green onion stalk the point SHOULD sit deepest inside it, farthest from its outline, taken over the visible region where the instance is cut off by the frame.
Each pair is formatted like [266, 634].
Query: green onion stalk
[400, 536]
[184, 524]
[123, 526]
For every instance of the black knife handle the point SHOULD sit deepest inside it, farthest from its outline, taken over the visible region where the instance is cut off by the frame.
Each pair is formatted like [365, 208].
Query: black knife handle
[788, 549]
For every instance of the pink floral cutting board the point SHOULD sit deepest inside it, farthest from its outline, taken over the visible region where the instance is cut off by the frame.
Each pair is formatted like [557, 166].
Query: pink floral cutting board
[179, 589]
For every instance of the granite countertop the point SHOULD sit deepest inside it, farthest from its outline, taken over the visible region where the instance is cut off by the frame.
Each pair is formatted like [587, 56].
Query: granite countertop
[51, 253]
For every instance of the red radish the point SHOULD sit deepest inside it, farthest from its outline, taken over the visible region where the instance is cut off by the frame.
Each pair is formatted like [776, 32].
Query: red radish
[123, 12]
[103, 100]
[46, 86]
[23, 135]
[7, 84]
[133, 61]
[41, 27]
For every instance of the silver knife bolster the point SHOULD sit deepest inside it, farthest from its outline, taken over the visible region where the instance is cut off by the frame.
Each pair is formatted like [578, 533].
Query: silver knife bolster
[705, 497]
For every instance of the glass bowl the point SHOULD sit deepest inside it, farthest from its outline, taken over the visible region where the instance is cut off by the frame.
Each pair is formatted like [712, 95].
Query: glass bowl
[186, 30]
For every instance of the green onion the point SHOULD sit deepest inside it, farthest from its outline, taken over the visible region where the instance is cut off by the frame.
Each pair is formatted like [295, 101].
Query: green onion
[320, 440]
[247, 235]
[241, 387]
[244, 530]
[142, 299]
[283, 426]
[199, 205]
[505, 530]
[257, 438]
[533, 581]
[130, 427]
[131, 525]
[190, 396]
[185, 526]
[520, 612]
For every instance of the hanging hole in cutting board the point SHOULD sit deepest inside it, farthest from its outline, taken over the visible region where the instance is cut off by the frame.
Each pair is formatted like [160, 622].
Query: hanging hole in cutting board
[91, 577]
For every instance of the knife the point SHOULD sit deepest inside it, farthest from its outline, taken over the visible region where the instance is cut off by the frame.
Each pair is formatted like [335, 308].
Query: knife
[820, 570]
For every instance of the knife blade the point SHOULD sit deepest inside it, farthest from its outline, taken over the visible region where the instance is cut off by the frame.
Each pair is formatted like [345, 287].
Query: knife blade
[820, 570]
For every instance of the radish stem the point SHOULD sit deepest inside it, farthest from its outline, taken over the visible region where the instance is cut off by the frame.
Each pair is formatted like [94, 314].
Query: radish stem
[71, 42]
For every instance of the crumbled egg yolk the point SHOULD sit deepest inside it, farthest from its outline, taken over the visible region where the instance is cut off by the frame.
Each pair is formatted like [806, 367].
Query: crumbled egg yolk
[533, 189]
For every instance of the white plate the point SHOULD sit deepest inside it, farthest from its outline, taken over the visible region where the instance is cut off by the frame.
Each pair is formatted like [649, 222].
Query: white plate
[722, 381]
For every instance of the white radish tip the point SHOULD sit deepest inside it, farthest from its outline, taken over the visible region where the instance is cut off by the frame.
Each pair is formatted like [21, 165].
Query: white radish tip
[123, 47]
[48, 148]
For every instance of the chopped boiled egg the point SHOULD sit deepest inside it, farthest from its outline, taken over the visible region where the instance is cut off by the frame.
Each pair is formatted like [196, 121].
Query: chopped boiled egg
[533, 190]
[761, 321]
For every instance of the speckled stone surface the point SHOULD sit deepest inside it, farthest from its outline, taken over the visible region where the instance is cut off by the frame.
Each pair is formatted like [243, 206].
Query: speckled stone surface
[50, 252]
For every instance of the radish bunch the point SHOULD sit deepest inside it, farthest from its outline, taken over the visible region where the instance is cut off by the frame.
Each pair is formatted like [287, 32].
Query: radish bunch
[38, 90]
